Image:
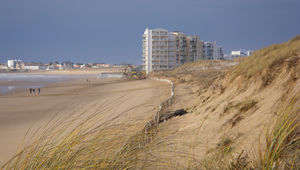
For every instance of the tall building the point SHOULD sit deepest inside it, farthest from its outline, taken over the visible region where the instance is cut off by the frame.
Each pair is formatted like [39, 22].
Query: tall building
[196, 49]
[165, 50]
[212, 51]
[188, 48]
[159, 50]
[182, 45]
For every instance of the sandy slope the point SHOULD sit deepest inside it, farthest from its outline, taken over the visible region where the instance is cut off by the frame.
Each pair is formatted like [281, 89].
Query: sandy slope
[193, 137]
[116, 101]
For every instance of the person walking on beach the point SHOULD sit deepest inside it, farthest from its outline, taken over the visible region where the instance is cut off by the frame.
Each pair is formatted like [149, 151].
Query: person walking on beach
[39, 90]
[30, 90]
[33, 90]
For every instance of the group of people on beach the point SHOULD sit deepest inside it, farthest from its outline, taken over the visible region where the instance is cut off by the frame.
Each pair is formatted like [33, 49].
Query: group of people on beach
[32, 90]
[88, 81]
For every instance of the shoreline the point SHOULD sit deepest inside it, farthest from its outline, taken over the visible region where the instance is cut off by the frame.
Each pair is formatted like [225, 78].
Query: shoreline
[22, 83]
[71, 71]
[129, 101]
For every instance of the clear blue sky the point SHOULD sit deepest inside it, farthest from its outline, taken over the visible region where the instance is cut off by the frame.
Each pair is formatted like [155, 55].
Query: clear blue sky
[110, 30]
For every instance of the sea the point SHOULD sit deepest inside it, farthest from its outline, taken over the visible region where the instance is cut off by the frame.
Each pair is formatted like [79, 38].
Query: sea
[13, 81]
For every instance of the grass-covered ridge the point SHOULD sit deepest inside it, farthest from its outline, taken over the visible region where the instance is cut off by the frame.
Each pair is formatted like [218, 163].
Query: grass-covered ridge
[267, 59]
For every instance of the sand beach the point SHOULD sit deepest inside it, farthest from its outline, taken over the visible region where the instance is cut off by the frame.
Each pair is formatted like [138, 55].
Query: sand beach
[116, 100]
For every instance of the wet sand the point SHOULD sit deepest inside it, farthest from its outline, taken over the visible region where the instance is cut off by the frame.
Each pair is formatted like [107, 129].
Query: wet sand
[119, 99]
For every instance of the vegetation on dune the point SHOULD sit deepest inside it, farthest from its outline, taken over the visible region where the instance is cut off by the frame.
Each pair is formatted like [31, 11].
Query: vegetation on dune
[282, 147]
[201, 73]
[246, 105]
[280, 151]
[84, 145]
[241, 106]
[267, 61]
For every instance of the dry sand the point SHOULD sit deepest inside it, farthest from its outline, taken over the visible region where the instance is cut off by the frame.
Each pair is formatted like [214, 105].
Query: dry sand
[116, 100]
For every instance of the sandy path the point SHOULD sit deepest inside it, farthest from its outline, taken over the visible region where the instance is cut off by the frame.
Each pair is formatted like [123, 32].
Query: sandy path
[117, 101]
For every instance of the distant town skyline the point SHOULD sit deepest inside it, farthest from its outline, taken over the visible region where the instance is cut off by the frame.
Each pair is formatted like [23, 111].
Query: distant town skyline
[110, 31]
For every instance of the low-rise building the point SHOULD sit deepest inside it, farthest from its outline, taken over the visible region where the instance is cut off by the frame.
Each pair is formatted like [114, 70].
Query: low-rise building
[3, 67]
[241, 53]
[54, 67]
[238, 53]
[103, 65]
[32, 67]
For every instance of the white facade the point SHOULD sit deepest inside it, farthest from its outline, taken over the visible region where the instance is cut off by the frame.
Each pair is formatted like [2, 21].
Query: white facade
[159, 50]
[11, 64]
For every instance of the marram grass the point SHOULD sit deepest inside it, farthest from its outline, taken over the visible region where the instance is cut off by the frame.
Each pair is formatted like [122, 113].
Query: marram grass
[88, 145]
[67, 144]
[283, 141]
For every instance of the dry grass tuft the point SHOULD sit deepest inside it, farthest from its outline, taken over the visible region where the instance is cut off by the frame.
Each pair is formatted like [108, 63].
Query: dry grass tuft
[219, 157]
[246, 105]
[228, 107]
[225, 146]
[283, 141]
[241, 162]
[241, 107]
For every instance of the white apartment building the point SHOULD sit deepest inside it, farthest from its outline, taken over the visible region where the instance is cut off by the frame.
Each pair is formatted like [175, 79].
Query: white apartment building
[159, 50]
[165, 50]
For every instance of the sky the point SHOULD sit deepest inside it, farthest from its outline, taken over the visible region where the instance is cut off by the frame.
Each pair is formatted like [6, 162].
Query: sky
[110, 31]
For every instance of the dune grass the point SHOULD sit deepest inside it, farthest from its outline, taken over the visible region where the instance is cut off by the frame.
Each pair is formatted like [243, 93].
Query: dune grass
[88, 145]
[267, 59]
[66, 143]
[281, 149]
[282, 146]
